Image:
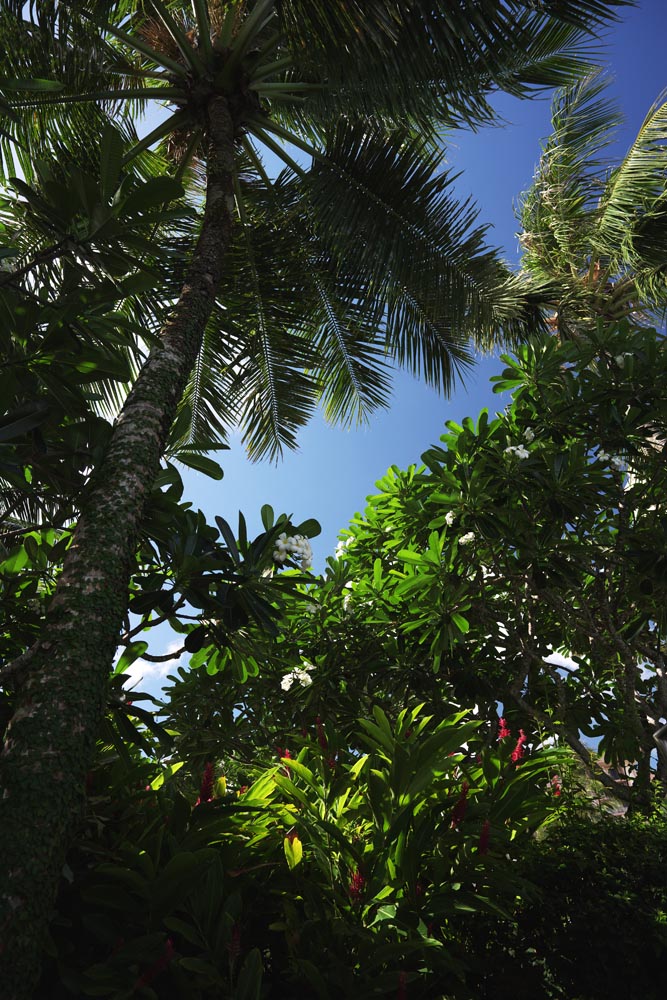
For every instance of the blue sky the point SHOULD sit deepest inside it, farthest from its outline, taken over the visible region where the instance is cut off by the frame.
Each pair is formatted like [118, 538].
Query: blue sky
[335, 469]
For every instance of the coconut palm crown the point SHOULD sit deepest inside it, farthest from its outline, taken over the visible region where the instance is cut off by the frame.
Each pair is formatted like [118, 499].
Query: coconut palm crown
[356, 252]
[595, 229]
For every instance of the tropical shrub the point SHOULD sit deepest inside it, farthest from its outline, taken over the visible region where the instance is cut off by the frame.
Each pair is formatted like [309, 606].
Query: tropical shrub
[336, 871]
[596, 923]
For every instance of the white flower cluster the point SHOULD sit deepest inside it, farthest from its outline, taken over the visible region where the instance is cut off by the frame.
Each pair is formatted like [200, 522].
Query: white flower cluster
[300, 675]
[295, 547]
[449, 518]
[518, 450]
[467, 538]
[615, 462]
[343, 545]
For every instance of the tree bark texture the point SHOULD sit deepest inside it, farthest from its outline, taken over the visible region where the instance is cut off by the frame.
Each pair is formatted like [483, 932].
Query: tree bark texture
[49, 743]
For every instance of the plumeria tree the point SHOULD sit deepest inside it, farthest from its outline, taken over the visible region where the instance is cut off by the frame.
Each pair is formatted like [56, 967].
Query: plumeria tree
[521, 566]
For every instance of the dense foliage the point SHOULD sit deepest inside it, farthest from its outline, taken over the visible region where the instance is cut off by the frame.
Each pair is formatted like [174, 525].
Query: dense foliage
[309, 811]
[538, 532]
[594, 923]
[330, 786]
[335, 870]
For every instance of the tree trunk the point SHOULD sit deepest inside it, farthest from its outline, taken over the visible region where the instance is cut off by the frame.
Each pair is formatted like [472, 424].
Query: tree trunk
[50, 741]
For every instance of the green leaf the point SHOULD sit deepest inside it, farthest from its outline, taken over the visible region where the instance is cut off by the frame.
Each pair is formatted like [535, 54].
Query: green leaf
[154, 193]
[186, 931]
[132, 652]
[293, 850]
[18, 423]
[111, 155]
[170, 770]
[201, 463]
[249, 982]
[310, 528]
[462, 624]
[34, 85]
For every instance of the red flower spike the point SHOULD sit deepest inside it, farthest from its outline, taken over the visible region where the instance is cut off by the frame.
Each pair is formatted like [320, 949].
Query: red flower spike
[519, 751]
[503, 731]
[556, 785]
[285, 753]
[484, 838]
[459, 810]
[356, 887]
[234, 946]
[157, 967]
[206, 788]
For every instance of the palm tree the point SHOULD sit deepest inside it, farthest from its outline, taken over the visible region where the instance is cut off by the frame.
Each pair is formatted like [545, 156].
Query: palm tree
[360, 256]
[597, 232]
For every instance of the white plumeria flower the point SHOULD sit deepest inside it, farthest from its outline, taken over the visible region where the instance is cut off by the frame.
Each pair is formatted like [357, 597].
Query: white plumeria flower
[343, 545]
[518, 450]
[620, 360]
[616, 463]
[449, 518]
[300, 675]
[297, 547]
[529, 434]
[467, 538]
[603, 456]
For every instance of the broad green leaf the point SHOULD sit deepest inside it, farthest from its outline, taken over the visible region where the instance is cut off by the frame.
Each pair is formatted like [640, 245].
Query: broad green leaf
[293, 850]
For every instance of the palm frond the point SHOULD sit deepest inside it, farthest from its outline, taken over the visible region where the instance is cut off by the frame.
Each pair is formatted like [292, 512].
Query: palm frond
[407, 249]
[596, 230]
[557, 213]
[438, 60]
[636, 188]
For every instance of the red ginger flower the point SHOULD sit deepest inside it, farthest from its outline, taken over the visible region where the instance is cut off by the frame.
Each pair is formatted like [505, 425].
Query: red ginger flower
[234, 946]
[503, 731]
[556, 785]
[206, 788]
[288, 755]
[157, 967]
[519, 751]
[459, 810]
[402, 986]
[484, 838]
[356, 887]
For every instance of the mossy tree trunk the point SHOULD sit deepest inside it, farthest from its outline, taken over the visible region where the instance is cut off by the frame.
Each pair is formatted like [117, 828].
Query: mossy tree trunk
[49, 743]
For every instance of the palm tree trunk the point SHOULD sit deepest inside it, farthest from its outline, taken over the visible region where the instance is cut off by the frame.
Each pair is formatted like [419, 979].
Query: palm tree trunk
[49, 743]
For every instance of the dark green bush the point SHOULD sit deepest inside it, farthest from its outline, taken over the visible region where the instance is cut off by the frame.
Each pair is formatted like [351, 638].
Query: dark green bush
[596, 925]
